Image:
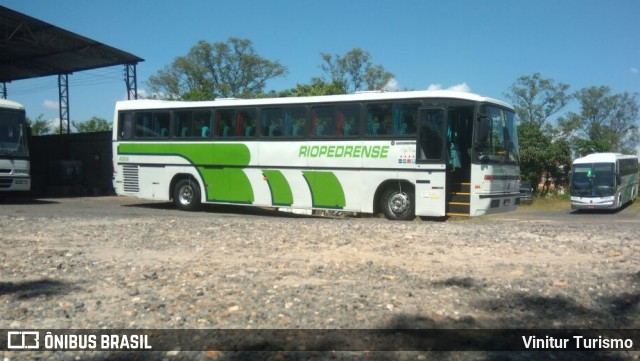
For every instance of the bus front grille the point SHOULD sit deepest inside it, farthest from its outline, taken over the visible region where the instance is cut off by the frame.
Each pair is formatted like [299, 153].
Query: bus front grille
[6, 182]
[131, 179]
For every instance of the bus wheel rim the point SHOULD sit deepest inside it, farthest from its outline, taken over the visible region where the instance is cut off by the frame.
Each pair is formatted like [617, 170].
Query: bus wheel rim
[399, 203]
[186, 195]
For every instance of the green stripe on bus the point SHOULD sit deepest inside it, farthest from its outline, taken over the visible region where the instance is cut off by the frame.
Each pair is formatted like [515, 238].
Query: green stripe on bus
[196, 153]
[221, 184]
[227, 185]
[326, 189]
[281, 194]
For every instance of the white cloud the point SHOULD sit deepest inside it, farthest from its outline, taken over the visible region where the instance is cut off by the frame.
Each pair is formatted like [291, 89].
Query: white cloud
[462, 87]
[634, 70]
[50, 104]
[392, 85]
[142, 94]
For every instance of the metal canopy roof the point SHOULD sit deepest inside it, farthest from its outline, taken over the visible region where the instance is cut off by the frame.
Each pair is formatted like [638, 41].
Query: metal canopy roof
[31, 48]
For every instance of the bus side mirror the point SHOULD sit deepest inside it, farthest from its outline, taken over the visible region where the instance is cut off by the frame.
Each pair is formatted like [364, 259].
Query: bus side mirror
[618, 180]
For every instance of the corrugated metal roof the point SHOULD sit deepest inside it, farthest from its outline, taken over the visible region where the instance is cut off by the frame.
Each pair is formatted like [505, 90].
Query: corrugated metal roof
[31, 48]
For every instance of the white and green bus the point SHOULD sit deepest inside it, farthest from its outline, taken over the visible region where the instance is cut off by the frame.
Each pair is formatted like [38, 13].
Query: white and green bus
[14, 150]
[604, 181]
[425, 153]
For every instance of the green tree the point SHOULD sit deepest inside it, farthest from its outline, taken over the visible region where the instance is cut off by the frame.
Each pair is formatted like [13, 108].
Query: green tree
[40, 126]
[223, 69]
[606, 122]
[95, 124]
[535, 100]
[317, 87]
[355, 70]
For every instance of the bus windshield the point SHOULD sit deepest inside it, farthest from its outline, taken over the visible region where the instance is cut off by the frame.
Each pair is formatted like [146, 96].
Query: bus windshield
[496, 136]
[593, 180]
[12, 133]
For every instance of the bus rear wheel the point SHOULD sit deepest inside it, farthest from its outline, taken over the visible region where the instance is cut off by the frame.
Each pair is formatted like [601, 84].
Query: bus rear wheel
[186, 195]
[397, 205]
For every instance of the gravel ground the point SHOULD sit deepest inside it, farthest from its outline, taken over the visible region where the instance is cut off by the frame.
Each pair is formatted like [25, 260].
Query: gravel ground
[165, 269]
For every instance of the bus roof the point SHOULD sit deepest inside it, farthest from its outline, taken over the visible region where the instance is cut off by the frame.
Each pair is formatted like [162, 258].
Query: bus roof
[8, 104]
[603, 158]
[360, 96]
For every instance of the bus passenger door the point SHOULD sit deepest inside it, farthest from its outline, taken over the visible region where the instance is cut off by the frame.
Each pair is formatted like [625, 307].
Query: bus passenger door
[431, 160]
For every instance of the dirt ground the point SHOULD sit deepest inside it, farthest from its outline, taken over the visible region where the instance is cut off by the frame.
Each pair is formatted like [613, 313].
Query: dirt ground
[113, 262]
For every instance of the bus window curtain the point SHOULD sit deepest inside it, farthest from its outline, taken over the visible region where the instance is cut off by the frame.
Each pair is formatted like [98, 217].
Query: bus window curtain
[314, 121]
[339, 122]
[239, 124]
[287, 127]
[397, 120]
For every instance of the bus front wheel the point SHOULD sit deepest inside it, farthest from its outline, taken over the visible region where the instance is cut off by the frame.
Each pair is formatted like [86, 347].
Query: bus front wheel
[186, 195]
[397, 205]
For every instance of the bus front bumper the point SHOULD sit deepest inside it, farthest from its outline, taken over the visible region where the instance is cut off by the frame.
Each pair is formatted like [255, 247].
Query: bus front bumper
[592, 203]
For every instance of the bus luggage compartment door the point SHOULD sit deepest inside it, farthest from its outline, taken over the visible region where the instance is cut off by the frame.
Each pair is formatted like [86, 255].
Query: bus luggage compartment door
[431, 195]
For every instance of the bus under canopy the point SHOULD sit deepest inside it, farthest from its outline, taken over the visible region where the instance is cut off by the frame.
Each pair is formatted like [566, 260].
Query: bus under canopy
[14, 150]
[426, 153]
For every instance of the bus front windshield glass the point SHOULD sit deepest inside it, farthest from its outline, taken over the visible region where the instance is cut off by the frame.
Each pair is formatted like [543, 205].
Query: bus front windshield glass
[13, 140]
[496, 136]
[593, 180]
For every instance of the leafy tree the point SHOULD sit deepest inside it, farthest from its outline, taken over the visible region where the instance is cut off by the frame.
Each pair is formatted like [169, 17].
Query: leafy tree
[40, 126]
[536, 98]
[317, 87]
[95, 124]
[606, 122]
[541, 151]
[222, 69]
[355, 70]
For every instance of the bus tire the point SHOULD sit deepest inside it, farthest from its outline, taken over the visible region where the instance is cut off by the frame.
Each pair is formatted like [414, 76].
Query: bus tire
[398, 205]
[186, 194]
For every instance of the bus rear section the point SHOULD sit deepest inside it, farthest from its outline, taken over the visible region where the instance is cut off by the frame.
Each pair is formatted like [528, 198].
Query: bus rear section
[14, 152]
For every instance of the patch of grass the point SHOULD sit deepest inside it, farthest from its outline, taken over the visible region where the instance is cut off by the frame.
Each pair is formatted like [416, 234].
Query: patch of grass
[635, 206]
[553, 202]
[563, 201]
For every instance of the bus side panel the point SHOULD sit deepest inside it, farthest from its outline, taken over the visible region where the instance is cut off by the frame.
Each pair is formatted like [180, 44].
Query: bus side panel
[299, 189]
[431, 193]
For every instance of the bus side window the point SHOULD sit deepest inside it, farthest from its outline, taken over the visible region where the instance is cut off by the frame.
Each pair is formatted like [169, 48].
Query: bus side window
[226, 122]
[348, 120]
[272, 122]
[201, 127]
[246, 123]
[295, 121]
[379, 119]
[404, 119]
[323, 121]
[126, 125]
[205, 128]
[182, 123]
[161, 123]
[143, 125]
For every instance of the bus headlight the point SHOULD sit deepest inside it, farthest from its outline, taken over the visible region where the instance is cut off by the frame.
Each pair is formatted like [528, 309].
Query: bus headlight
[21, 171]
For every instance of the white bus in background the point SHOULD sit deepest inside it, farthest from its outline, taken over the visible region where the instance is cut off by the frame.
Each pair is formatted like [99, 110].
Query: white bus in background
[425, 153]
[14, 150]
[604, 181]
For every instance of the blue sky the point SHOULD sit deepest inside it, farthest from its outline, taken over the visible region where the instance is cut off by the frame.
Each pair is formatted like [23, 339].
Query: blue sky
[482, 45]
